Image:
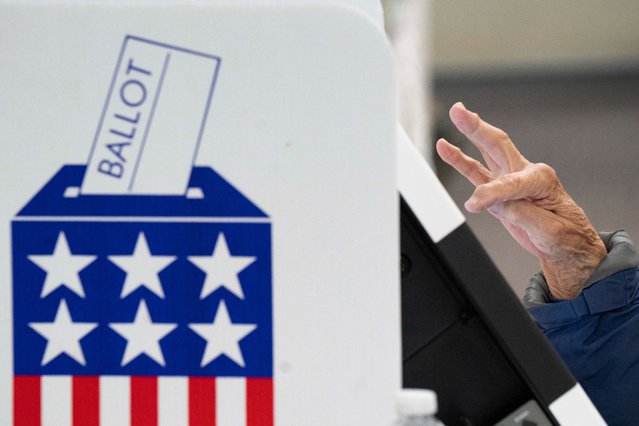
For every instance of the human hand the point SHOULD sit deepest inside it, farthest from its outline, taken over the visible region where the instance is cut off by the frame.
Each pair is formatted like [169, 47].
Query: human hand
[530, 202]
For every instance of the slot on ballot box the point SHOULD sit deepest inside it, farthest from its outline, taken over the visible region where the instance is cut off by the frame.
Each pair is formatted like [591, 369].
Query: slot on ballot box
[182, 264]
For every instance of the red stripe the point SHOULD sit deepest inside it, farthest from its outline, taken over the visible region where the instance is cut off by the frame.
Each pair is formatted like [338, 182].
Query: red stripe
[26, 400]
[259, 401]
[144, 401]
[86, 401]
[201, 401]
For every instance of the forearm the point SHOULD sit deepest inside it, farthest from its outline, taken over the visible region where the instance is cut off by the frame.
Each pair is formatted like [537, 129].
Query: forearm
[567, 276]
[621, 255]
[578, 249]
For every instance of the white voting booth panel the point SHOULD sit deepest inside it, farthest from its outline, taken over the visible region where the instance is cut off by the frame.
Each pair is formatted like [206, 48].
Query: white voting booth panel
[199, 214]
[543, 373]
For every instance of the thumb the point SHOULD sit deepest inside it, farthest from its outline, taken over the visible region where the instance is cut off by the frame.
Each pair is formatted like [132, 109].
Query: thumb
[536, 221]
[533, 182]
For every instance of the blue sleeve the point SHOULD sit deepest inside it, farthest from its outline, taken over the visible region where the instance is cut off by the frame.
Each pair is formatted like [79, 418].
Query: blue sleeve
[597, 333]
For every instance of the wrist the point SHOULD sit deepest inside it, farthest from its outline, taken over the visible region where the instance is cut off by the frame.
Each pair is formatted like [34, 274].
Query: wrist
[621, 255]
[567, 277]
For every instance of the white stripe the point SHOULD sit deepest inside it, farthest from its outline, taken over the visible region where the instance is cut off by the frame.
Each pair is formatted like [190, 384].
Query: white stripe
[574, 408]
[115, 400]
[173, 402]
[230, 395]
[56, 400]
[119, 219]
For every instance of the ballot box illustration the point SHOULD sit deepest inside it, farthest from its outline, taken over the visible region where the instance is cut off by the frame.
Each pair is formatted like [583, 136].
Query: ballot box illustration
[140, 282]
[142, 293]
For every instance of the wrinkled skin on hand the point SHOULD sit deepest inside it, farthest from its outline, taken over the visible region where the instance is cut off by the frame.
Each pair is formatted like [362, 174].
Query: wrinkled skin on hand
[530, 202]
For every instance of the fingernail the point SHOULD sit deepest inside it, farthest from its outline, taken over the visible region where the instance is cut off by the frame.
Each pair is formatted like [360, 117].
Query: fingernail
[459, 104]
[465, 125]
[471, 204]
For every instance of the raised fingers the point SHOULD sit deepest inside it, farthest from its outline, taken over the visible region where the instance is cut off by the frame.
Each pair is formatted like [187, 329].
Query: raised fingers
[494, 144]
[468, 167]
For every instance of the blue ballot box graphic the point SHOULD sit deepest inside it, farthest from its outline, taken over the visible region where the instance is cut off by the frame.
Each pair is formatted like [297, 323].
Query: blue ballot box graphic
[141, 285]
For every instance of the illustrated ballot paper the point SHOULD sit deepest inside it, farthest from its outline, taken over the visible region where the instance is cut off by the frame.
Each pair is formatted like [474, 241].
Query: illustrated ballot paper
[201, 213]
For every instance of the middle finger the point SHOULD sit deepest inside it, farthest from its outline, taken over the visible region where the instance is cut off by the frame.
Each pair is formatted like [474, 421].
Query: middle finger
[498, 150]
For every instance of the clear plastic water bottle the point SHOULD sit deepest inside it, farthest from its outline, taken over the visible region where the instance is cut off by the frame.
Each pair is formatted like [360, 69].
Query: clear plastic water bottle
[416, 407]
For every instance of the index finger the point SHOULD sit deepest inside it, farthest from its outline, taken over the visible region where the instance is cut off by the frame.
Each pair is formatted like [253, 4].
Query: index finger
[491, 141]
[468, 167]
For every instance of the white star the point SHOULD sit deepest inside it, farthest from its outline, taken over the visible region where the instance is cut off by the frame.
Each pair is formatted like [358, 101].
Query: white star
[222, 268]
[143, 336]
[63, 335]
[62, 267]
[222, 337]
[142, 268]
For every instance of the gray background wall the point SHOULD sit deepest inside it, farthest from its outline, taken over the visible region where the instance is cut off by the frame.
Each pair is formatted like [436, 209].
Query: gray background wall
[472, 36]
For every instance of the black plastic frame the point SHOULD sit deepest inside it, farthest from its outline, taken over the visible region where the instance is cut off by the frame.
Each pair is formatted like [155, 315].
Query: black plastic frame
[466, 335]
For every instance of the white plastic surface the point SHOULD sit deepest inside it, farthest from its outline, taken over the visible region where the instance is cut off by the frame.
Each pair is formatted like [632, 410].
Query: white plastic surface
[302, 122]
[423, 192]
[574, 408]
[416, 402]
